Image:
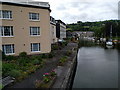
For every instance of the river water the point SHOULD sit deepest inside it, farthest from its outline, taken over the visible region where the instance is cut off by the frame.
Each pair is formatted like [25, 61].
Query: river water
[97, 68]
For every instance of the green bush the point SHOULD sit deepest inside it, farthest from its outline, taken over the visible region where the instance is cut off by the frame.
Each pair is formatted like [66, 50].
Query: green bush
[15, 73]
[3, 55]
[44, 56]
[36, 62]
[23, 54]
[65, 43]
[63, 59]
[55, 47]
[68, 53]
[39, 57]
[6, 67]
[10, 57]
[51, 55]
[23, 61]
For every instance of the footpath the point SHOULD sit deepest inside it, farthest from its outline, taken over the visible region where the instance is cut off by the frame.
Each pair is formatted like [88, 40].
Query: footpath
[63, 72]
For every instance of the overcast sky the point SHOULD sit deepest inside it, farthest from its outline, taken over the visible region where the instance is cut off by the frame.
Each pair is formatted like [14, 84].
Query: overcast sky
[71, 11]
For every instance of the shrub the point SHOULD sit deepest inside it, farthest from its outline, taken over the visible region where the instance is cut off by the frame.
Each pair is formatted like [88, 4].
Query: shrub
[15, 73]
[31, 69]
[3, 55]
[10, 57]
[44, 56]
[23, 61]
[6, 67]
[55, 47]
[23, 54]
[36, 62]
[22, 76]
[63, 59]
[46, 79]
[53, 73]
[68, 53]
[51, 55]
[36, 57]
[65, 43]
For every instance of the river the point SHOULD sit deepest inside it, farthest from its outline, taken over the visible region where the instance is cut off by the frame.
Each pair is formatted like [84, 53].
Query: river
[97, 68]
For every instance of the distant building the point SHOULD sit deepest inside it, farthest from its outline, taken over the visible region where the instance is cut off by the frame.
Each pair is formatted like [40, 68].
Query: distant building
[25, 27]
[83, 33]
[60, 29]
[53, 30]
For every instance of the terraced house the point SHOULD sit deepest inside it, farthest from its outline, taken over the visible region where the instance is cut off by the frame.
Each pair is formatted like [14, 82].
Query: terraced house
[54, 39]
[60, 29]
[25, 27]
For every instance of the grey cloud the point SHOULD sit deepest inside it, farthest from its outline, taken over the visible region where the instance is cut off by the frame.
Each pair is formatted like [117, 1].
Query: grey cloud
[88, 11]
[77, 17]
[61, 7]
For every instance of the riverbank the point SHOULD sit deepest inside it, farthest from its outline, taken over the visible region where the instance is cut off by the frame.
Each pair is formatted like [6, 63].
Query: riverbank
[50, 64]
[65, 74]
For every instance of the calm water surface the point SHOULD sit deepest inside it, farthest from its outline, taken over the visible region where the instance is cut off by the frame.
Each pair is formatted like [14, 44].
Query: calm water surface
[97, 68]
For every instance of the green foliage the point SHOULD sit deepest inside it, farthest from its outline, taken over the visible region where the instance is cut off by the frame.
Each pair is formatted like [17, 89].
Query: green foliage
[3, 55]
[38, 57]
[63, 59]
[36, 62]
[69, 29]
[10, 57]
[51, 55]
[15, 73]
[55, 47]
[23, 61]
[23, 54]
[7, 67]
[101, 28]
[68, 53]
[52, 73]
[98, 31]
[46, 79]
[44, 56]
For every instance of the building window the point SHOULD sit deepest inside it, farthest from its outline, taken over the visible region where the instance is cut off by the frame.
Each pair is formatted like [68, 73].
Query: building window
[34, 16]
[5, 14]
[35, 47]
[8, 49]
[6, 30]
[34, 31]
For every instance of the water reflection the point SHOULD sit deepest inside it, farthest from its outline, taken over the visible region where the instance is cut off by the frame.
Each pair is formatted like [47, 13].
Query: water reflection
[97, 68]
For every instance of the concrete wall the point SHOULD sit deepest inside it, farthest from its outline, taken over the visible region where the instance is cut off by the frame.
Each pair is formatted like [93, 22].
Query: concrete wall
[21, 31]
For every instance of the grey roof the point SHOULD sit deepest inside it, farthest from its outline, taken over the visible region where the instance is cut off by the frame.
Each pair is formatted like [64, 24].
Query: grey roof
[28, 3]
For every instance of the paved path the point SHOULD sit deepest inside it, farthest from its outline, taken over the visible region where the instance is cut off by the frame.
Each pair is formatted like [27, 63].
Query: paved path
[38, 75]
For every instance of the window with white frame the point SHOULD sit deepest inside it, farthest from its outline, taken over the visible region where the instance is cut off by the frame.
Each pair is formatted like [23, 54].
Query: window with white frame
[6, 30]
[34, 16]
[35, 47]
[8, 48]
[34, 31]
[5, 14]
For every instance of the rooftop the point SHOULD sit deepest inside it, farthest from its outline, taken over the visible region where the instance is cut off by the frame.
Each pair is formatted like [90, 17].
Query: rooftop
[26, 3]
